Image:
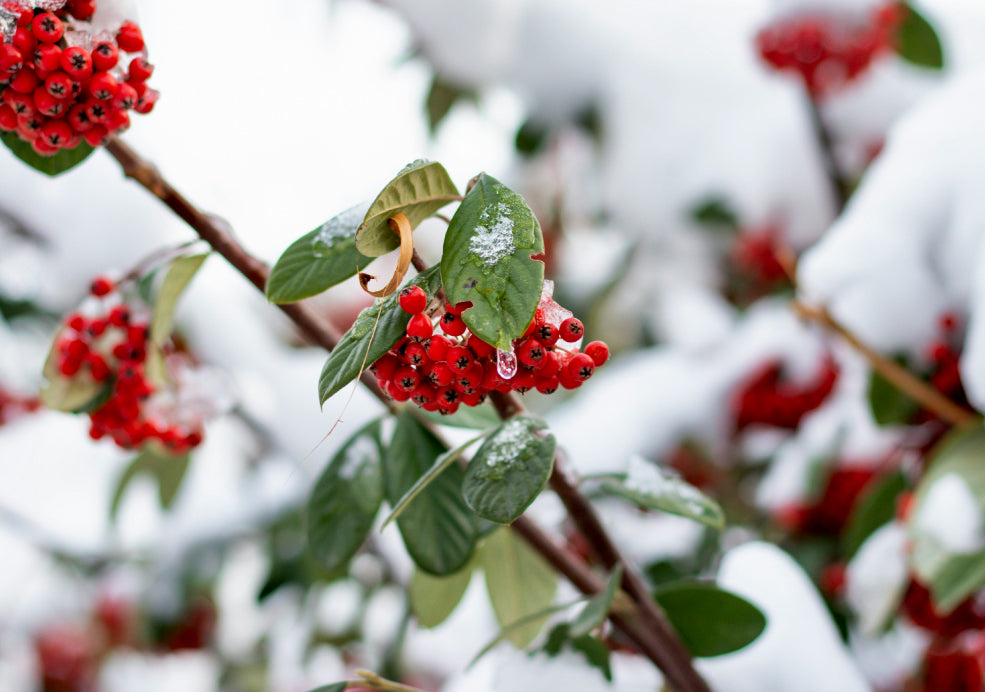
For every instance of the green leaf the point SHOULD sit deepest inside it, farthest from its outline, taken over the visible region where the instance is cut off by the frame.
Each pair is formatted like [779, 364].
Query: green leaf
[64, 160]
[487, 262]
[78, 394]
[509, 470]
[419, 191]
[440, 464]
[917, 41]
[710, 621]
[889, 405]
[650, 487]
[168, 471]
[715, 213]
[538, 618]
[471, 417]
[337, 687]
[531, 138]
[438, 529]
[360, 345]
[441, 98]
[595, 652]
[520, 584]
[433, 599]
[597, 609]
[319, 260]
[346, 498]
[951, 576]
[876, 507]
[179, 276]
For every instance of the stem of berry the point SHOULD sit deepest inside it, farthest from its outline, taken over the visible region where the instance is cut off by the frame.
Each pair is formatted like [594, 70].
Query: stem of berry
[657, 641]
[839, 186]
[896, 374]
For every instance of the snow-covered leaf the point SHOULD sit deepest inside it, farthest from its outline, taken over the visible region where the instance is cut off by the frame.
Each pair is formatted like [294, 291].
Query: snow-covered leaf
[438, 529]
[947, 522]
[509, 470]
[433, 599]
[179, 276]
[362, 346]
[487, 261]
[650, 487]
[710, 621]
[319, 260]
[419, 190]
[64, 160]
[918, 42]
[346, 498]
[520, 584]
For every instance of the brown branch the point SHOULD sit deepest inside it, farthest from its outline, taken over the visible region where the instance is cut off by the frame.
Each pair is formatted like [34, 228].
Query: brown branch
[893, 372]
[649, 633]
[839, 186]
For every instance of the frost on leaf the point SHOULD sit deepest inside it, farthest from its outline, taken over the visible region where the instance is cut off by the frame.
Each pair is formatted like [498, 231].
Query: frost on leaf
[493, 239]
[340, 226]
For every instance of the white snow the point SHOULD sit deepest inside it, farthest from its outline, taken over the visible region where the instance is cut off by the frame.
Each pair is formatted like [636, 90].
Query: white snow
[493, 238]
[951, 515]
[800, 649]
[876, 578]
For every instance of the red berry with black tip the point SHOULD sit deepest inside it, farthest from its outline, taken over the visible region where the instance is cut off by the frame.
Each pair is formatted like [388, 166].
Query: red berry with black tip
[571, 330]
[413, 300]
[11, 59]
[438, 347]
[126, 97]
[580, 366]
[102, 286]
[47, 27]
[103, 86]
[105, 56]
[59, 85]
[47, 57]
[140, 69]
[452, 324]
[460, 359]
[77, 62]
[419, 326]
[406, 378]
[547, 334]
[531, 353]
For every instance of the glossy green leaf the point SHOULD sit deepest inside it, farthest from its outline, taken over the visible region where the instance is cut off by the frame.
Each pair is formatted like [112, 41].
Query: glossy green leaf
[519, 582]
[597, 609]
[433, 599]
[710, 621]
[487, 261]
[876, 507]
[319, 260]
[509, 470]
[419, 191]
[650, 487]
[64, 160]
[346, 498]
[471, 417]
[168, 471]
[437, 468]
[888, 404]
[438, 529]
[360, 345]
[918, 42]
[950, 575]
[179, 276]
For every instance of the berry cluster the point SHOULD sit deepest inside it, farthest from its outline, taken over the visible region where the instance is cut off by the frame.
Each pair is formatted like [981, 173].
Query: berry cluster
[765, 399]
[440, 371]
[110, 345]
[829, 52]
[60, 85]
[828, 514]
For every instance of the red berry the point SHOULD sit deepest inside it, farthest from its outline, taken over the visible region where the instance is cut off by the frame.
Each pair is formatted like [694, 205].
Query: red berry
[441, 375]
[8, 118]
[103, 86]
[471, 380]
[571, 330]
[78, 118]
[448, 397]
[24, 82]
[568, 380]
[47, 27]
[47, 104]
[47, 57]
[479, 347]
[424, 394]
[546, 334]
[580, 366]
[416, 354]
[548, 385]
[452, 324]
[413, 300]
[438, 347]
[146, 103]
[523, 382]
[419, 326]
[22, 104]
[460, 359]
[105, 56]
[77, 62]
[56, 133]
[82, 9]
[102, 286]
[59, 85]
[118, 121]
[126, 97]
[598, 351]
[141, 70]
[96, 135]
[551, 365]
[25, 42]
[406, 378]
[98, 112]
[386, 366]
[11, 59]
[129, 38]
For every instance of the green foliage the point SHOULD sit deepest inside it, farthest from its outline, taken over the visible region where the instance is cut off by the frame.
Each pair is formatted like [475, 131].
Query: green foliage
[438, 529]
[889, 405]
[361, 346]
[79, 394]
[419, 191]
[319, 260]
[665, 493]
[597, 609]
[710, 621]
[530, 138]
[592, 648]
[179, 276]
[520, 584]
[917, 41]
[168, 471]
[715, 213]
[951, 576]
[346, 498]
[442, 96]
[64, 160]
[509, 470]
[487, 261]
[433, 599]
[876, 507]
[472, 417]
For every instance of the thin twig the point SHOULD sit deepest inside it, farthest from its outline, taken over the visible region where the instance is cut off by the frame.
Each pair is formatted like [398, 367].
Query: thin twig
[839, 186]
[651, 633]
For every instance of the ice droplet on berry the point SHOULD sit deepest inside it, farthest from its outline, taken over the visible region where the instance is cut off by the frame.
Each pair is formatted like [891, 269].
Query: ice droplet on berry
[506, 364]
[8, 24]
